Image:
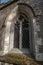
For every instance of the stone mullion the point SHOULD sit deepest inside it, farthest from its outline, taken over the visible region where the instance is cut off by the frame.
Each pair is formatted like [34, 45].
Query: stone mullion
[20, 36]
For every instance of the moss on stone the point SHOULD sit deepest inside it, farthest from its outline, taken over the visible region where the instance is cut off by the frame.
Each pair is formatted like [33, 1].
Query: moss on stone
[19, 59]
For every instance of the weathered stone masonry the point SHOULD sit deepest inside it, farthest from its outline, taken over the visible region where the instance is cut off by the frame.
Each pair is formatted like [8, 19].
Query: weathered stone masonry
[37, 6]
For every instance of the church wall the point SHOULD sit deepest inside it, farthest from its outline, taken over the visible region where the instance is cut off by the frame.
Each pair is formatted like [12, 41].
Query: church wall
[3, 16]
[5, 12]
[37, 6]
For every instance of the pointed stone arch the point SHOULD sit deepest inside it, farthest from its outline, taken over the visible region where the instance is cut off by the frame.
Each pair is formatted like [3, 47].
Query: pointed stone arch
[28, 12]
[11, 20]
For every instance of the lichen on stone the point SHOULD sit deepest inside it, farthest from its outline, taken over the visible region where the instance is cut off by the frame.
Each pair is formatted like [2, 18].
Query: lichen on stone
[19, 59]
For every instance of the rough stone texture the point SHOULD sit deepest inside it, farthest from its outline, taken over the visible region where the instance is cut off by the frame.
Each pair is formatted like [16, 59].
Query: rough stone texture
[37, 6]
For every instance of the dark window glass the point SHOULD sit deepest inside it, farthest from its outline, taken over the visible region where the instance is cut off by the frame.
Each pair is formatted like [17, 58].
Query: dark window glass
[16, 36]
[25, 35]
